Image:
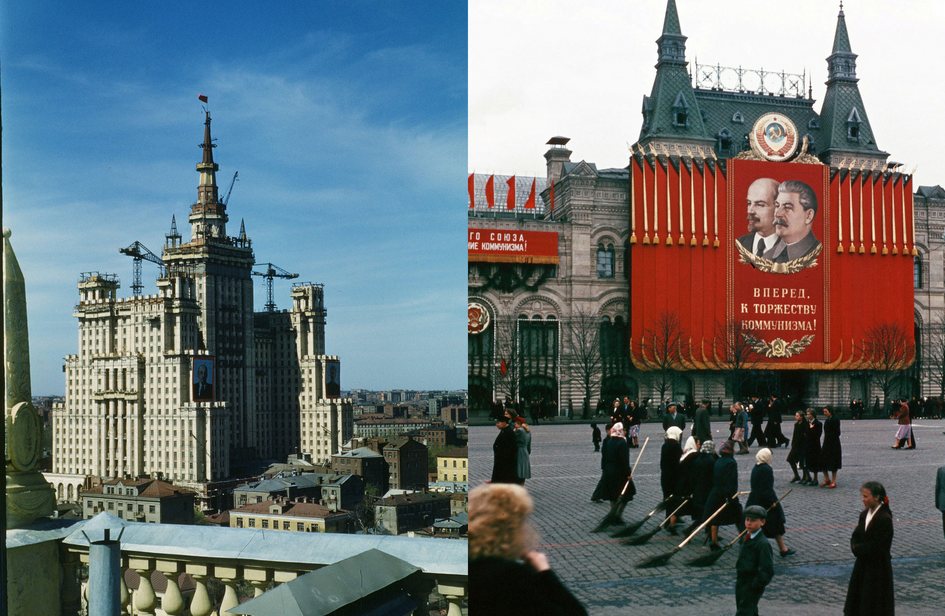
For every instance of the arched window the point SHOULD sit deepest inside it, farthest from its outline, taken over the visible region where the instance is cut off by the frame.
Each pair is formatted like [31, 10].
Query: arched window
[917, 272]
[605, 261]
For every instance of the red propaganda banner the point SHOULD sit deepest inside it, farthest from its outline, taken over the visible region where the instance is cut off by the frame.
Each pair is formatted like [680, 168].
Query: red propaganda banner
[512, 246]
[777, 261]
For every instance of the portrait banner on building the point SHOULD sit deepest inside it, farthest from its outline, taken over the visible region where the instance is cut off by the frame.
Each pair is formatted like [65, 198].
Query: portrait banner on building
[512, 246]
[777, 262]
[203, 379]
[332, 378]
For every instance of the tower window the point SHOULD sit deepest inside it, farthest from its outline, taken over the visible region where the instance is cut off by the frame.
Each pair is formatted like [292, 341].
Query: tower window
[605, 261]
[680, 111]
[917, 272]
[853, 125]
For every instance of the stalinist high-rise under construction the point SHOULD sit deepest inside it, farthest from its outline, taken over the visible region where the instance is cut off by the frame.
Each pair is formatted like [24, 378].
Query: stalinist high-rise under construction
[188, 383]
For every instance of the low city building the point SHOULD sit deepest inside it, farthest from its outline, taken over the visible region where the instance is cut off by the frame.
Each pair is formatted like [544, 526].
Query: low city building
[372, 426]
[333, 490]
[453, 526]
[140, 500]
[407, 462]
[365, 462]
[298, 516]
[406, 512]
[453, 465]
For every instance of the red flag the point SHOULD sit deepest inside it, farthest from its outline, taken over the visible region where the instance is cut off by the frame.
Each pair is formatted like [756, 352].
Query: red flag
[510, 198]
[530, 202]
[472, 186]
[490, 191]
[503, 368]
[552, 195]
[202, 98]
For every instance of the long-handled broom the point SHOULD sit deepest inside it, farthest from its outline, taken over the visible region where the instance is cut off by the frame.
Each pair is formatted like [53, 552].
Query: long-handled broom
[709, 559]
[629, 529]
[641, 539]
[661, 559]
[616, 508]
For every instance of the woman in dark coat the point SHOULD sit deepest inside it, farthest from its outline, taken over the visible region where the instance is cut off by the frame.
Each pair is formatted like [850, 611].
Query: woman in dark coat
[812, 448]
[830, 454]
[871, 584]
[614, 465]
[795, 457]
[702, 468]
[762, 494]
[669, 461]
[684, 485]
[724, 490]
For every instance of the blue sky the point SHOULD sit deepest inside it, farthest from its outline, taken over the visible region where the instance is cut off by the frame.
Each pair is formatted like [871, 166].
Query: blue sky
[346, 121]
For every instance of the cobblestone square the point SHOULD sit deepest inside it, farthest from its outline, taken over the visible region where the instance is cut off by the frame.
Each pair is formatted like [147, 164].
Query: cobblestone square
[602, 574]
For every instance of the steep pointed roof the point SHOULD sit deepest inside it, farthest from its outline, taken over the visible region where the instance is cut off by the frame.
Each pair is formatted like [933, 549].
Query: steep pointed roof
[671, 112]
[845, 127]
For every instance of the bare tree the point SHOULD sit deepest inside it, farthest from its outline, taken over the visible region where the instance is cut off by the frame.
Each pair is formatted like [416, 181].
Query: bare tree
[936, 354]
[582, 353]
[508, 355]
[662, 346]
[887, 350]
[733, 353]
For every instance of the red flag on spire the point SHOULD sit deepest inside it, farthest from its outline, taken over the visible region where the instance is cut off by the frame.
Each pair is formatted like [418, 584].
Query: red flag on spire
[490, 191]
[202, 98]
[472, 187]
[530, 202]
[510, 198]
[552, 195]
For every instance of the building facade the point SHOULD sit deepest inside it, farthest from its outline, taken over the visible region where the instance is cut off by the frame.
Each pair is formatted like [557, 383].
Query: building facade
[190, 382]
[452, 465]
[553, 286]
[294, 516]
[141, 500]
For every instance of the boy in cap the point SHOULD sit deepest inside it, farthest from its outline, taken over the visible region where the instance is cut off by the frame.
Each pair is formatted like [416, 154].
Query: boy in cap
[754, 567]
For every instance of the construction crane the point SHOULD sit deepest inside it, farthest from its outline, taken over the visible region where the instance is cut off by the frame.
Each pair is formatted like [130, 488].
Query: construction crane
[272, 271]
[226, 199]
[139, 252]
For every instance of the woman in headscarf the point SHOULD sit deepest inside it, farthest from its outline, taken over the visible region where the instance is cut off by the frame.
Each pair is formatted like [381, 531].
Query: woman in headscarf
[724, 490]
[669, 462]
[762, 494]
[702, 478]
[685, 481]
[831, 455]
[614, 465]
[871, 584]
[523, 443]
[502, 554]
[795, 457]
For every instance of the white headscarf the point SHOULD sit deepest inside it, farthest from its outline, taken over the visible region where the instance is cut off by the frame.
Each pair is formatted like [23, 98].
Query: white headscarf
[689, 448]
[674, 432]
[617, 430]
[763, 456]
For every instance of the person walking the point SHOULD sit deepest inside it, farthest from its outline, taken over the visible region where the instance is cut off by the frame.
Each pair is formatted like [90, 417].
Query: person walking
[811, 449]
[904, 431]
[724, 490]
[673, 417]
[763, 494]
[773, 434]
[795, 457]
[940, 494]
[523, 443]
[740, 430]
[756, 412]
[614, 465]
[870, 592]
[702, 468]
[595, 436]
[831, 455]
[502, 555]
[670, 454]
[701, 426]
[754, 567]
[504, 452]
[635, 417]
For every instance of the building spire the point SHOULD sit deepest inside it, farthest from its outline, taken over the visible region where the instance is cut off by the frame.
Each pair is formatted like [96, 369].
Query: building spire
[208, 215]
[841, 40]
[242, 230]
[671, 43]
[671, 19]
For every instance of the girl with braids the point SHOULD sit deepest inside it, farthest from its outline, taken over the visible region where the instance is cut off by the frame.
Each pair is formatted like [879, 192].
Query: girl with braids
[871, 584]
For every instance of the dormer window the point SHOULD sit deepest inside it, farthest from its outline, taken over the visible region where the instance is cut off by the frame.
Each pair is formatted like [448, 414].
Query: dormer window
[724, 142]
[738, 118]
[853, 125]
[813, 124]
[680, 111]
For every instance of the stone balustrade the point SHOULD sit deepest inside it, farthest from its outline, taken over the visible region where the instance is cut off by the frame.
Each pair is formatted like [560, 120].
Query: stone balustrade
[234, 558]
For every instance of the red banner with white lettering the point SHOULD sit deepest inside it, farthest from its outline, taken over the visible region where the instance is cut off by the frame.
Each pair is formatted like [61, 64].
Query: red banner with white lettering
[512, 246]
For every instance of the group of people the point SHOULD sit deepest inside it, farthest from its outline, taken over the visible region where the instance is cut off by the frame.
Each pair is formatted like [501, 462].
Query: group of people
[810, 455]
[512, 449]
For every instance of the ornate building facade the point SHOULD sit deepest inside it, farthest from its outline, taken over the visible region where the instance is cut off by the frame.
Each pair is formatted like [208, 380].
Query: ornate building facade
[190, 382]
[552, 287]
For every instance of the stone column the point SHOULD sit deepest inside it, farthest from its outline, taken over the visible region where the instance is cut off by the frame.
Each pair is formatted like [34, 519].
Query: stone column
[172, 602]
[454, 593]
[259, 578]
[228, 576]
[144, 598]
[200, 603]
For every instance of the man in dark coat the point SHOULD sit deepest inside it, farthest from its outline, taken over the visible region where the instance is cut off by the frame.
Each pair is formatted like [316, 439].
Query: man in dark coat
[505, 453]
[773, 434]
[756, 411]
[673, 417]
[754, 567]
[595, 436]
[701, 428]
